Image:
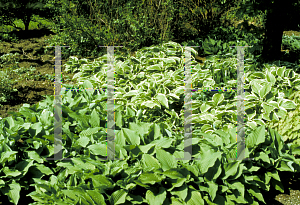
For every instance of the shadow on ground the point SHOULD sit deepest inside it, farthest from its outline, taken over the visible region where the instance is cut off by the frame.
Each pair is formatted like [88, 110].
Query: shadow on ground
[31, 85]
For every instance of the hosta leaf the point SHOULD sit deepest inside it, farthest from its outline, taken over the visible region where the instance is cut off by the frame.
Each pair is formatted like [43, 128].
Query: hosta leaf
[96, 196]
[79, 163]
[11, 172]
[98, 149]
[100, 181]
[87, 85]
[151, 104]
[181, 192]
[130, 135]
[265, 90]
[150, 162]
[162, 99]
[208, 159]
[173, 174]
[71, 195]
[156, 198]
[195, 199]
[150, 178]
[255, 192]
[14, 192]
[95, 119]
[255, 87]
[44, 169]
[166, 160]
[218, 98]
[118, 197]
[83, 141]
[287, 104]
[256, 137]
[204, 107]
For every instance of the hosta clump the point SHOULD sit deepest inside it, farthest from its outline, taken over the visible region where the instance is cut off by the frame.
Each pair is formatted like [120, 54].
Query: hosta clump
[289, 126]
[148, 109]
[152, 175]
[6, 87]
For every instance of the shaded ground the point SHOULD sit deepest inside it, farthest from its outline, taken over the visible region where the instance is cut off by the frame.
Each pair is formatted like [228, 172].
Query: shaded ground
[32, 85]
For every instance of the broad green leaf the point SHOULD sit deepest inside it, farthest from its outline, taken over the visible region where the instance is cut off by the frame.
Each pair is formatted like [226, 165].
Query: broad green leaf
[70, 168]
[265, 89]
[118, 197]
[11, 172]
[256, 137]
[156, 67]
[267, 107]
[98, 149]
[218, 98]
[37, 127]
[156, 198]
[255, 192]
[162, 99]
[25, 165]
[204, 107]
[163, 142]
[43, 169]
[280, 71]
[88, 85]
[150, 104]
[95, 119]
[181, 192]
[208, 159]
[83, 141]
[256, 88]
[166, 160]
[35, 156]
[287, 104]
[146, 148]
[173, 174]
[96, 196]
[71, 194]
[150, 162]
[176, 201]
[130, 135]
[14, 192]
[212, 189]
[271, 78]
[286, 165]
[83, 165]
[131, 93]
[195, 199]
[230, 169]
[150, 178]
[100, 181]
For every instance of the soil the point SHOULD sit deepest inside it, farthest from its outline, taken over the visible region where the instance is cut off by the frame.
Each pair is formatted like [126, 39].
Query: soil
[31, 46]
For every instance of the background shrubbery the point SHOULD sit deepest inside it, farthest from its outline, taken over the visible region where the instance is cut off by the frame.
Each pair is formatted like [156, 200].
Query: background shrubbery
[135, 24]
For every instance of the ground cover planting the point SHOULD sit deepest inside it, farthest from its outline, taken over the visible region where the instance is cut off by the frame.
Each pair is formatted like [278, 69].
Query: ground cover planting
[143, 163]
[149, 116]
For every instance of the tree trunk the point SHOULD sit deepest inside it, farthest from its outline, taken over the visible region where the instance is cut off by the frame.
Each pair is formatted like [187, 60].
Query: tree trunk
[26, 20]
[275, 24]
[27, 24]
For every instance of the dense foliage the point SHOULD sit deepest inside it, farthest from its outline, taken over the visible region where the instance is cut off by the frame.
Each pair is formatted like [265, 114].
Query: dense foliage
[24, 10]
[149, 111]
[149, 135]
